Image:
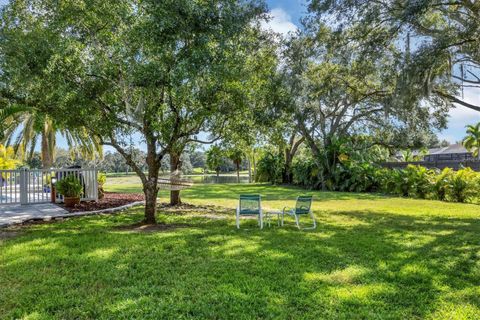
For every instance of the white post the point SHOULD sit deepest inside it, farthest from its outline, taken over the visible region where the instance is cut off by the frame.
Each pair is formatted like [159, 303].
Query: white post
[23, 186]
[95, 183]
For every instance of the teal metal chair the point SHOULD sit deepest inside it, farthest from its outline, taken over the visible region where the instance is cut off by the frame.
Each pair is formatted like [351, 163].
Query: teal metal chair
[303, 206]
[250, 205]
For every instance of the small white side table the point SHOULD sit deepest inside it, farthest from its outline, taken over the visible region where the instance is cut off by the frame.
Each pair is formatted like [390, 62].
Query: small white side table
[269, 213]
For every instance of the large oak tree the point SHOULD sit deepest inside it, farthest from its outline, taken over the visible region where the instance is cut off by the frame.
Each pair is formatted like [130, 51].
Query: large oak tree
[341, 89]
[151, 72]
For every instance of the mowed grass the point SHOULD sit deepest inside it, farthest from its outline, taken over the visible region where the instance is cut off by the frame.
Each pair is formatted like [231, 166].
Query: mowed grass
[371, 257]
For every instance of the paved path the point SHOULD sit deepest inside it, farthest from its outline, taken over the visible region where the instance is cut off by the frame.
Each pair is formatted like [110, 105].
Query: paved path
[15, 213]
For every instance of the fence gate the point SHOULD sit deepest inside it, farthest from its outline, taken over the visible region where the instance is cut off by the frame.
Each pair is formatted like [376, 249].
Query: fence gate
[34, 186]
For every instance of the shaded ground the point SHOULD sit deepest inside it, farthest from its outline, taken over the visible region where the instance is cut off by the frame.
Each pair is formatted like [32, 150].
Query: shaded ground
[8, 234]
[111, 200]
[371, 257]
[141, 227]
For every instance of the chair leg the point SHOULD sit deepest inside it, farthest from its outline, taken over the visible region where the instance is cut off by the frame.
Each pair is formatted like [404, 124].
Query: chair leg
[283, 216]
[297, 222]
[261, 220]
[238, 220]
[314, 222]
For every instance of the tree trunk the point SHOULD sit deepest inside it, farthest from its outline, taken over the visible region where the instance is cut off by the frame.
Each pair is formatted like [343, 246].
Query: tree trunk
[218, 174]
[174, 166]
[254, 167]
[238, 172]
[150, 183]
[290, 152]
[47, 153]
[249, 171]
[287, 170]
[150, 189]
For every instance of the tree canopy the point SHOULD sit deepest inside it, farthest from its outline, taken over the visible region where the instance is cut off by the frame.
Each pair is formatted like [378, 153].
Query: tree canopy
[442, 36]
[162, 71]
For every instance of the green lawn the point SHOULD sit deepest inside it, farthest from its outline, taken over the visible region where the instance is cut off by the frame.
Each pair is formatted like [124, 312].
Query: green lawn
[371, 257]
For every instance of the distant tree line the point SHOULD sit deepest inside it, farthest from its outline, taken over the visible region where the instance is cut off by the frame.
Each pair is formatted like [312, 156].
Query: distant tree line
[114, 162]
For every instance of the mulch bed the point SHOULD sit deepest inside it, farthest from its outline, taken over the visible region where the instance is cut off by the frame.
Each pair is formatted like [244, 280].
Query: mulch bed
[110, 200]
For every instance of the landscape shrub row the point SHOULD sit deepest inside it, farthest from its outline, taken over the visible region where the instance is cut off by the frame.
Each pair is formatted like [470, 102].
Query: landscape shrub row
[413, 181]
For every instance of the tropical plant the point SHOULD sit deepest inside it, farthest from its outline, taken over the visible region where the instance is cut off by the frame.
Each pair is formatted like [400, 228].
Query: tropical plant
[69, 186]
[7, 158]
[409, 156]
[472, 140]
[420, 181]
[215, 158]
[306, 172]
[236, 155]
[357, 177]
[441, 183]
[101, 180]
[24, 127]
[462, 186]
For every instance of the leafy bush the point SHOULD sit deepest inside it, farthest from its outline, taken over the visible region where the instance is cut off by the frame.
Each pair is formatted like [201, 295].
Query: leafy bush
[441, 183]
[306, 173]
[420, 181]
[70, 186]
[355, 177]
[462, 186]
[413, 181]
[269, 168]
[101, 179]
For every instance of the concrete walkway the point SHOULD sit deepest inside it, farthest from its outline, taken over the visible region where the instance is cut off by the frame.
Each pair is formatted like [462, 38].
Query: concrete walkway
[15, 213]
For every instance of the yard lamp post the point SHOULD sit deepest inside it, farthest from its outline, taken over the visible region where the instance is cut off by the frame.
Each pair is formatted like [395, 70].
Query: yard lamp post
[53, 195]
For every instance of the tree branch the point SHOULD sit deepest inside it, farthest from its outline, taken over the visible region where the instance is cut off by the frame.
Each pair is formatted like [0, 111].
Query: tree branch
[456, 100]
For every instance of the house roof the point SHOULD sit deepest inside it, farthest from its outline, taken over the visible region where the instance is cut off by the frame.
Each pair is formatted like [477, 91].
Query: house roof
[453, 148]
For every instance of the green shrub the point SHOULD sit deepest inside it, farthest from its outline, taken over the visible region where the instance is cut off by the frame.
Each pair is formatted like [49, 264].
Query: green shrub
[270, 168]
[306, 173]
[441, 183]
[419, 181]
[462, 186]
[413, 181]
[70, 186]
[357, 177]
[400, 182]
[385, 180]
[101, 179]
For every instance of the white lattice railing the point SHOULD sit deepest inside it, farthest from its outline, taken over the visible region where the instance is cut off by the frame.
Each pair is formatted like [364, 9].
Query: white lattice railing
[34, 186]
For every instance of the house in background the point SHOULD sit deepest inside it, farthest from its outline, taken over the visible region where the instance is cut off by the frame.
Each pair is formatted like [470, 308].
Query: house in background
[454, 156]
[452, 152]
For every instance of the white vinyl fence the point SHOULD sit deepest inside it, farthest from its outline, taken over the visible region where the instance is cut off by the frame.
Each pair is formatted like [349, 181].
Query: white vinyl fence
[34, 186]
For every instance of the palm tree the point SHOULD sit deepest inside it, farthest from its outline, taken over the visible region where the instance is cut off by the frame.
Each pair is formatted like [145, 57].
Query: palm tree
[236, 155]
[472, 141]
[23, 127]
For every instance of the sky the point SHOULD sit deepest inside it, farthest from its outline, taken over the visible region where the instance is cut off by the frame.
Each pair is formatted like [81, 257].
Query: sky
[285, 17]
